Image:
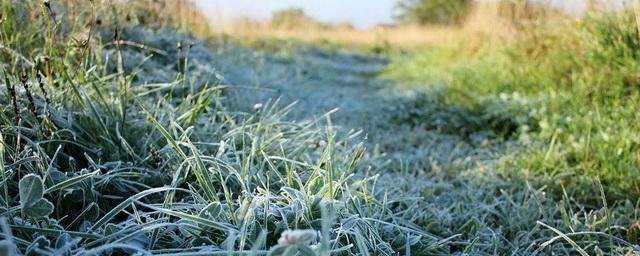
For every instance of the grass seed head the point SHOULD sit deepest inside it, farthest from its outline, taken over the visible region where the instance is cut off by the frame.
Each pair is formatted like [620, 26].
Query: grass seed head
[47, 4]
[45, 94]
[157, 158]
[25, 83]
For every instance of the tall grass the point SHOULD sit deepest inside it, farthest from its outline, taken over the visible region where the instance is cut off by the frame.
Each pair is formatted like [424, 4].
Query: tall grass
[575, 85]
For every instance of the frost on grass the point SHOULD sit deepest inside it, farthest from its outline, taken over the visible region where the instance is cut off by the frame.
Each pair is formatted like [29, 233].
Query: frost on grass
[191, 152]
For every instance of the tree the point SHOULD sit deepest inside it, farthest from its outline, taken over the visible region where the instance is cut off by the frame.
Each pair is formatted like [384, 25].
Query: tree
[292, 18]
[442, 12]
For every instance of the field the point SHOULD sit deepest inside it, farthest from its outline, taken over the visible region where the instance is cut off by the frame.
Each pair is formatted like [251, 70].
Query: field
[127, 130]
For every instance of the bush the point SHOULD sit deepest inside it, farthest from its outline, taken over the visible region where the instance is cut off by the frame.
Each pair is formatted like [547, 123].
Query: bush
[443, 12]
[293, 18]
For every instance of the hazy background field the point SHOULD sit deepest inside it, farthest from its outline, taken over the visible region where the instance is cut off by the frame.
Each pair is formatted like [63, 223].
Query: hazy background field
[365, 23]
[361, 14]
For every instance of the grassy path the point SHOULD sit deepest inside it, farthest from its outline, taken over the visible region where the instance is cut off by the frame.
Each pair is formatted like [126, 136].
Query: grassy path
[414, 128]
[440, 166]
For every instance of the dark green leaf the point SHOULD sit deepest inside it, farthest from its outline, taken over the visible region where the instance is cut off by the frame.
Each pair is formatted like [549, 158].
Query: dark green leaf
[31, 190]
[42, 208]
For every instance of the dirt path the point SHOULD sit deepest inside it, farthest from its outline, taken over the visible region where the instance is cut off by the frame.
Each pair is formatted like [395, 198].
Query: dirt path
[318, 80]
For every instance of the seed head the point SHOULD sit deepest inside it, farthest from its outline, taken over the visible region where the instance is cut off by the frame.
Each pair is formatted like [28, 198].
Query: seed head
[47, 4]
[157, 158]
[44, 93]
[25, 84]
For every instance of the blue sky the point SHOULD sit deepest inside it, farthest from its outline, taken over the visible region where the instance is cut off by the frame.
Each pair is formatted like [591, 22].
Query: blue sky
[361, 13]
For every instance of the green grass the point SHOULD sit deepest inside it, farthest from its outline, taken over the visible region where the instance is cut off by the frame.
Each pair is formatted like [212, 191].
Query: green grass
[572, 89]
[153, 148]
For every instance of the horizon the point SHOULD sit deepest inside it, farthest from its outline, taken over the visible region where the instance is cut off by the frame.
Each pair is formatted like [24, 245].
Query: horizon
[329, 11]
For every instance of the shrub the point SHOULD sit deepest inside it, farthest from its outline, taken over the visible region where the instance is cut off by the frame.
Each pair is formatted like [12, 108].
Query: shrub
[443, 12]
[293, 18]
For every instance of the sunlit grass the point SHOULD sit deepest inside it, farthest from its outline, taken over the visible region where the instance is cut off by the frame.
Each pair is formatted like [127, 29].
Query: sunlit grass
[577, 86]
